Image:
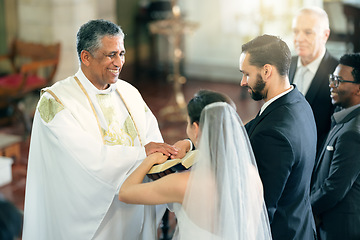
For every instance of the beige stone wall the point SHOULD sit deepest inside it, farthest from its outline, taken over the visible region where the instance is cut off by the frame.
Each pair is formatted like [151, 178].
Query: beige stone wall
[50, 21]
[11, 19]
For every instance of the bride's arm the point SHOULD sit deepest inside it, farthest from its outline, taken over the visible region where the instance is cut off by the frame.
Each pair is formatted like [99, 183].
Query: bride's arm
[170, 188]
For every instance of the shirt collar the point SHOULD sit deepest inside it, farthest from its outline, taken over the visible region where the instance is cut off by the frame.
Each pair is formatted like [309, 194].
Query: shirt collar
[90, 87]
[340, 115]
[314, 65]
[267, 103]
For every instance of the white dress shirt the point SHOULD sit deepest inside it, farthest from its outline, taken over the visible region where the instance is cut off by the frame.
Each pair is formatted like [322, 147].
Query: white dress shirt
[305, 74]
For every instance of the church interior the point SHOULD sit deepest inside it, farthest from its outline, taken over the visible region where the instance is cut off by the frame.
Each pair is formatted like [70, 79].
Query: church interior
[170, 55]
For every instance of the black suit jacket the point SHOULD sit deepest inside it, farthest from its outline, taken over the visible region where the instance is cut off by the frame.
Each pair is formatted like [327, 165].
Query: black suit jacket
[335, 187]
[283, 139]
[318, 95]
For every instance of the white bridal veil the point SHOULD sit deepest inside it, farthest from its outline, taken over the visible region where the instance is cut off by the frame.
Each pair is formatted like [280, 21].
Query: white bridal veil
[224, 197]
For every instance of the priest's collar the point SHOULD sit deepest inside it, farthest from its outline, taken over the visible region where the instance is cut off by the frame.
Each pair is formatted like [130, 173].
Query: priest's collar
[90, 87]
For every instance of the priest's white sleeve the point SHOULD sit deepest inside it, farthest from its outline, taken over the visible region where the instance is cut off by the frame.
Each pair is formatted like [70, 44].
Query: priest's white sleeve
[72, 179]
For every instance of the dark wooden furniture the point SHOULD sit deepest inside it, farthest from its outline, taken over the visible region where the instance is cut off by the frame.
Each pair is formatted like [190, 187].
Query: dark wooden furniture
[352, 13]
[33, 66]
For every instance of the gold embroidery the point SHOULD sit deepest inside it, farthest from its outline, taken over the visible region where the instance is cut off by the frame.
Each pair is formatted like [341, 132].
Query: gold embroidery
[117, 138]
[91, 104]
[137, 131]
[107, 107]
[110, 139]
[48, 108]
[129, 127]
[116, 134]
[52, 94]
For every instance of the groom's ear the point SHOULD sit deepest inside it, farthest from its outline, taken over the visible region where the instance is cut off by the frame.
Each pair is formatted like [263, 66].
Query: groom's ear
[267, 71]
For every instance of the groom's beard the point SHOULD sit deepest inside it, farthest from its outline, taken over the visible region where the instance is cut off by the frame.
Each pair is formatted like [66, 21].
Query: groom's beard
[258, 88]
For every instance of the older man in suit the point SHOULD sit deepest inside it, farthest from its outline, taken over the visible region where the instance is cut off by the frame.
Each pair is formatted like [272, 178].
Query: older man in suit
[283, 137]
[310, 69]
[335, 185]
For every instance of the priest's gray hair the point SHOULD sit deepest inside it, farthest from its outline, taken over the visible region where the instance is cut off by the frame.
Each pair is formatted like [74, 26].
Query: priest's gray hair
[91, 33]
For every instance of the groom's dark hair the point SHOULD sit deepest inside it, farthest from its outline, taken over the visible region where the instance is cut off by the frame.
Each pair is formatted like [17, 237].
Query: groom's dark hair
[268, 49]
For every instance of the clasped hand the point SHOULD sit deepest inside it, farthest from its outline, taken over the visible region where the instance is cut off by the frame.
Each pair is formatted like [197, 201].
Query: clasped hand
[164, 148]
[178, 150]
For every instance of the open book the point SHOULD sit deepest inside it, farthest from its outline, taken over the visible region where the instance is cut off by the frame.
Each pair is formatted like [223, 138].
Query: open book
[173, 165]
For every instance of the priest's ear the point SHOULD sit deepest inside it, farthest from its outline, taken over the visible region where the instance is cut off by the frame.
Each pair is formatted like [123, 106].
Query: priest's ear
[85, 57]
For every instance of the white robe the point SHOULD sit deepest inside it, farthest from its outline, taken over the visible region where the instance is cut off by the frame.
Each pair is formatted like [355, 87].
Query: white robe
[75, 173]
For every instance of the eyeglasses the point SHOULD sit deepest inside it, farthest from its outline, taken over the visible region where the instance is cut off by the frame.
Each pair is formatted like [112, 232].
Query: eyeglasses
[335, 80]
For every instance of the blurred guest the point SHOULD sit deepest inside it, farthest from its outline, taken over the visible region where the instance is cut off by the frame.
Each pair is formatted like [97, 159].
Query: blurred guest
[311, 68]
[10, 220]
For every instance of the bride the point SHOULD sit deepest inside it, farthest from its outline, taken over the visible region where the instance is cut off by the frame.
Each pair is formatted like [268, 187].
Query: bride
[221, 196]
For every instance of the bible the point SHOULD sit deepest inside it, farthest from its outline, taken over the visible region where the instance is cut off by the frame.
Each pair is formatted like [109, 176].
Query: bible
[172, 165]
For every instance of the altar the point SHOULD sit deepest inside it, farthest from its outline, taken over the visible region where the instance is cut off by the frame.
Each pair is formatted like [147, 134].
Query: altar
[174, 29]
[352, 13]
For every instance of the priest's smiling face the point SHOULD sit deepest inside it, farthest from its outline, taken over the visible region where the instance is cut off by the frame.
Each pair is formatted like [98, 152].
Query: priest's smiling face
[105, 64]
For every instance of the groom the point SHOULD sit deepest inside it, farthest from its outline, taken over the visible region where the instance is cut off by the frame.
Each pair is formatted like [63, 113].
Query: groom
[283, 137]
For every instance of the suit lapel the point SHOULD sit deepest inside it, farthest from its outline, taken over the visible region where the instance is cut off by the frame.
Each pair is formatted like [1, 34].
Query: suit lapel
[292, 70]
[277, 103]
[320, 75]
[330, 137]
[351, 115]
[333, 132]
[254, 123]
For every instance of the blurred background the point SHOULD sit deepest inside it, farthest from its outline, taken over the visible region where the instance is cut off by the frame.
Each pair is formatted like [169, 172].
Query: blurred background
[211, 50]
[199, 49]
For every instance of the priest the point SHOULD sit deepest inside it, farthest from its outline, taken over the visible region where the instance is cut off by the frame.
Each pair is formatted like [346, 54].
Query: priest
[90, 131]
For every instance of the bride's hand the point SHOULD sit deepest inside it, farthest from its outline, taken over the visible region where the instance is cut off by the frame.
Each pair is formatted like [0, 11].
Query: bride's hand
[156, 158]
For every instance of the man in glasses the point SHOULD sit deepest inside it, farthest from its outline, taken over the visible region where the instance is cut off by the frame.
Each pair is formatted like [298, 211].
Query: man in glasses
[335, 183]
[309, 70]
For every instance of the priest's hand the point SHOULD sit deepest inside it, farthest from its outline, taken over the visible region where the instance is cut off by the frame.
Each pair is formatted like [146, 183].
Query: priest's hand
[163, 148]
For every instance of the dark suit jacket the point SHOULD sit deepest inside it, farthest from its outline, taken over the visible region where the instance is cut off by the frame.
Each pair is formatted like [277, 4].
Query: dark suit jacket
[283, 139]
[318, 95]
[335, 187]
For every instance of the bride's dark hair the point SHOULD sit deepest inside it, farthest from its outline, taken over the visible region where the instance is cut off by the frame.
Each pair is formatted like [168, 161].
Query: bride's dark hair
[203, 98]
